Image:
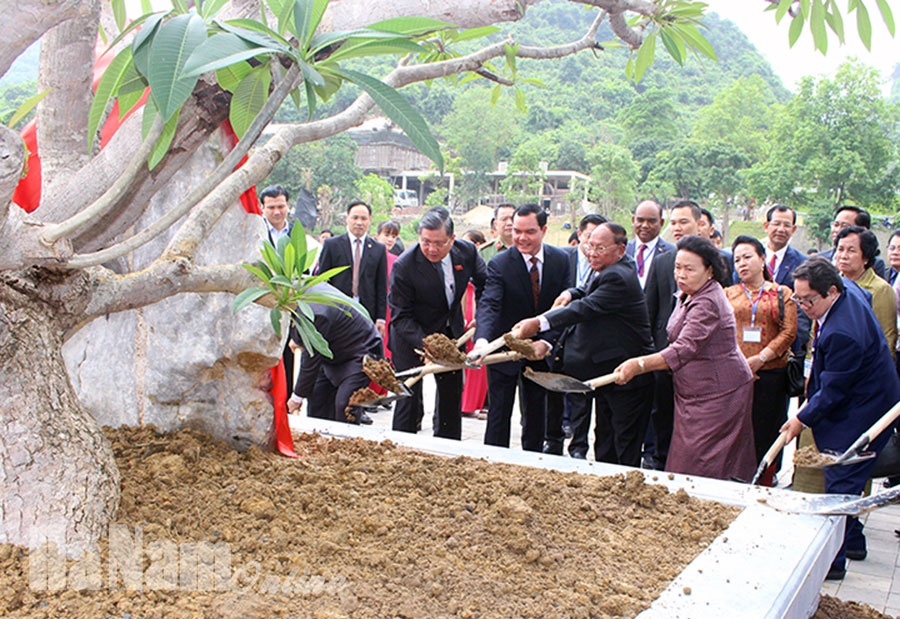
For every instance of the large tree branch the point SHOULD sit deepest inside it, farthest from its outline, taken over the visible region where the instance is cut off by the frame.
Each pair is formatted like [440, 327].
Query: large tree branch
[113, 195]
[67, 70]
[12, 154]
[618, 20]
[163, 279]
[25, 21]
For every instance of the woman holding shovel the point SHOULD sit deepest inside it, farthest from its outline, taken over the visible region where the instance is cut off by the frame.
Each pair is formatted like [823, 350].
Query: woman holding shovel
[713, 433]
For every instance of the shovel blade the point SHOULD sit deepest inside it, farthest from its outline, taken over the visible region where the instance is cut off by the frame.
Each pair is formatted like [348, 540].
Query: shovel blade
[382, 401]
[837, 459]
[557, 382]
[830, 504]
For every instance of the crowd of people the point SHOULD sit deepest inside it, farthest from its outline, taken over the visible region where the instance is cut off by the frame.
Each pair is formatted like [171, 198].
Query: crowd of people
[699, 338]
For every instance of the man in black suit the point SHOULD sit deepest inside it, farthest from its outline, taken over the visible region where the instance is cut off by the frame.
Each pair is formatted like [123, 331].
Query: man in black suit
[611, 325]
[329, 383]
[848, 215]
[522, 281]
[366, 278]
[427, 286]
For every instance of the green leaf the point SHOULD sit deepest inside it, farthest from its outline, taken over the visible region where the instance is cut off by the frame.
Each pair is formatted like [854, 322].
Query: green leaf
[375, 48]
[795, 29]
[817, 26]
[310, 74]
[146, 6]
[180, 6]
[282, 280]
[275, 318]
[27, 105]
[298, 240]
[230, 77]
[325, 39]
[864, 25]
[672, 47]
[140, 45]
[310, 98]
[782, 10]
[887, 15]
[645, 56]
[249, 98]
[118, 9]
[247, 297]
[629, 67]
[107, 88]
[319, 7]
[211, 7]
[272, 259]
[217, 52]
[476, 33]
[401, 112]
[692, 36]
[169, 51]
[411, 26]
[258, 33]
[262, 274]
[303, 10]
[495, 95]
[290, 261]
[510, 52]
[836, 23]
[283, 10]
[165, 140]
[312, 339]
[322, 277]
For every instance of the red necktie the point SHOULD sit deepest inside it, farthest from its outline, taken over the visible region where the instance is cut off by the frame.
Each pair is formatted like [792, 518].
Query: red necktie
[535, 280]
[640, 259]
[772, 265]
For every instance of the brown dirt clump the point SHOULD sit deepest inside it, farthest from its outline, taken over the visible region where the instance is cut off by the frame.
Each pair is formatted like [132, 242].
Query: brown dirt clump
[381, 373]
[833, 608]
[523, 347]
[361, 529]
[810, 456]
[442, 349]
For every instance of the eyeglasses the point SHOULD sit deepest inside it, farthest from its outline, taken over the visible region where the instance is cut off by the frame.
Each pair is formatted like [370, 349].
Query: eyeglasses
[806, 302]
[595, 249]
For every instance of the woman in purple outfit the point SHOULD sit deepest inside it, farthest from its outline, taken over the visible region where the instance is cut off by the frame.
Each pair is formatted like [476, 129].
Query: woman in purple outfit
[713, 434]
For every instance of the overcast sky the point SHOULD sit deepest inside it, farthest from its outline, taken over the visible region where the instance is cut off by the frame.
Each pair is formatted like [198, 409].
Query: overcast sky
[791, 64]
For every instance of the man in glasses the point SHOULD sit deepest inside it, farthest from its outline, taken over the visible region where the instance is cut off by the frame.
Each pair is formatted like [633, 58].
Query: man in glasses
[427, 285]
[852, 383]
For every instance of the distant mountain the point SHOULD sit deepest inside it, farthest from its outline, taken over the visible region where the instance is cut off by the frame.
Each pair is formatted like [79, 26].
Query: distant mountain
[25, 68]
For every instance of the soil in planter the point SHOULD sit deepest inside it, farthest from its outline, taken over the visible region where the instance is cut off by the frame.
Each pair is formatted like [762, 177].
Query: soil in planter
[361, 529]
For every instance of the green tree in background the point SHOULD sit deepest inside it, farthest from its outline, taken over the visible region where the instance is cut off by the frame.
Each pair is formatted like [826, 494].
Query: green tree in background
[378, 194]
[614, 177]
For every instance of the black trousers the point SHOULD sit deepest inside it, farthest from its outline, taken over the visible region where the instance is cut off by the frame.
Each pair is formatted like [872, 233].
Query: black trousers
[622, 418]
[663, 416]
[329, 401]
[447, 406]
[502, 390]
[770, 406]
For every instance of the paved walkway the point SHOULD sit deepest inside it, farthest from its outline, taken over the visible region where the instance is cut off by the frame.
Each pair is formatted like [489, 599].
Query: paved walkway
[875, 581]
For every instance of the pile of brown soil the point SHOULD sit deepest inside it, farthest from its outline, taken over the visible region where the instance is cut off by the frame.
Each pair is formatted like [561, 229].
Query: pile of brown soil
[523, 347]
[360, 529]
[833, 608]
[442, 349]
[381, 373]
[810, 456]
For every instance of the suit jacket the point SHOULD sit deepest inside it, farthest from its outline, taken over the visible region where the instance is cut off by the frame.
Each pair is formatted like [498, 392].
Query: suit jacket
[785, 273]
[610, 321]
[853, 381]
[337, 252]
[418, 301]
[660, 290]
[661, 248]
[507, 297]
[349, 334]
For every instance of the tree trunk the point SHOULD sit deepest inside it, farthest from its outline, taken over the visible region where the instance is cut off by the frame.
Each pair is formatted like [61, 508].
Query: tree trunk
[58, 479]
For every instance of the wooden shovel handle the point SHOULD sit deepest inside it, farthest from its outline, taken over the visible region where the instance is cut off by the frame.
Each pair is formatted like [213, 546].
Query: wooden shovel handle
[491, 347]
[774, 450]
[431, 368]
[877, 428]
[501, 357]
[465, 337]
[602, 381]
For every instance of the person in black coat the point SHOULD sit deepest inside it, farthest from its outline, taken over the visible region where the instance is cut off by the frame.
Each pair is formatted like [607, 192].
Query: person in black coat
[611, 324]
[369, 286]
[427, 285]
[522, 281]
[329, 383]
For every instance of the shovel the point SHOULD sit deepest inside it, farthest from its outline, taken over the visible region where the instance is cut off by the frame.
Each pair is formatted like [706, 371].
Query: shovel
[438, 368]
[566, 384]
[853, 453]
[831, 504]
[769, 458]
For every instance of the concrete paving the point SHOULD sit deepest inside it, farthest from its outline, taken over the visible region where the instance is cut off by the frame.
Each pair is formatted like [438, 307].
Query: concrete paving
[874, 581]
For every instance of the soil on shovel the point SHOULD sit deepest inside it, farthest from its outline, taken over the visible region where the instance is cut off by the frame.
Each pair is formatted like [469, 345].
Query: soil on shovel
[361, 529]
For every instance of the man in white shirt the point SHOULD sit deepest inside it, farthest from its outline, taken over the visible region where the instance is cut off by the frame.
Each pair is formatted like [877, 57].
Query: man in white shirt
[274, 200]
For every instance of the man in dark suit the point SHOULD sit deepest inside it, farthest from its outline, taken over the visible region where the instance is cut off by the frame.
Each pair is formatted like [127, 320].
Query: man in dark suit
[848, 215]
[366, 278]
[647, 221]
[852, 383]
[329, 383]
[782, 259]
[610, 324]
[427, 286]
[522, 281]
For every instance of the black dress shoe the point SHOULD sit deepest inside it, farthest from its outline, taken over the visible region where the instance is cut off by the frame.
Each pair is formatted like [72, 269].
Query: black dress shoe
[579, 455]
[835, 574]
[567, 430]
[364, 418]
[857, 555]
[553, 449]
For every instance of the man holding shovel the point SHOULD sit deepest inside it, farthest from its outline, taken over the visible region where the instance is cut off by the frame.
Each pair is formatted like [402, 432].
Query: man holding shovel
[611, 325]
[851, 384]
